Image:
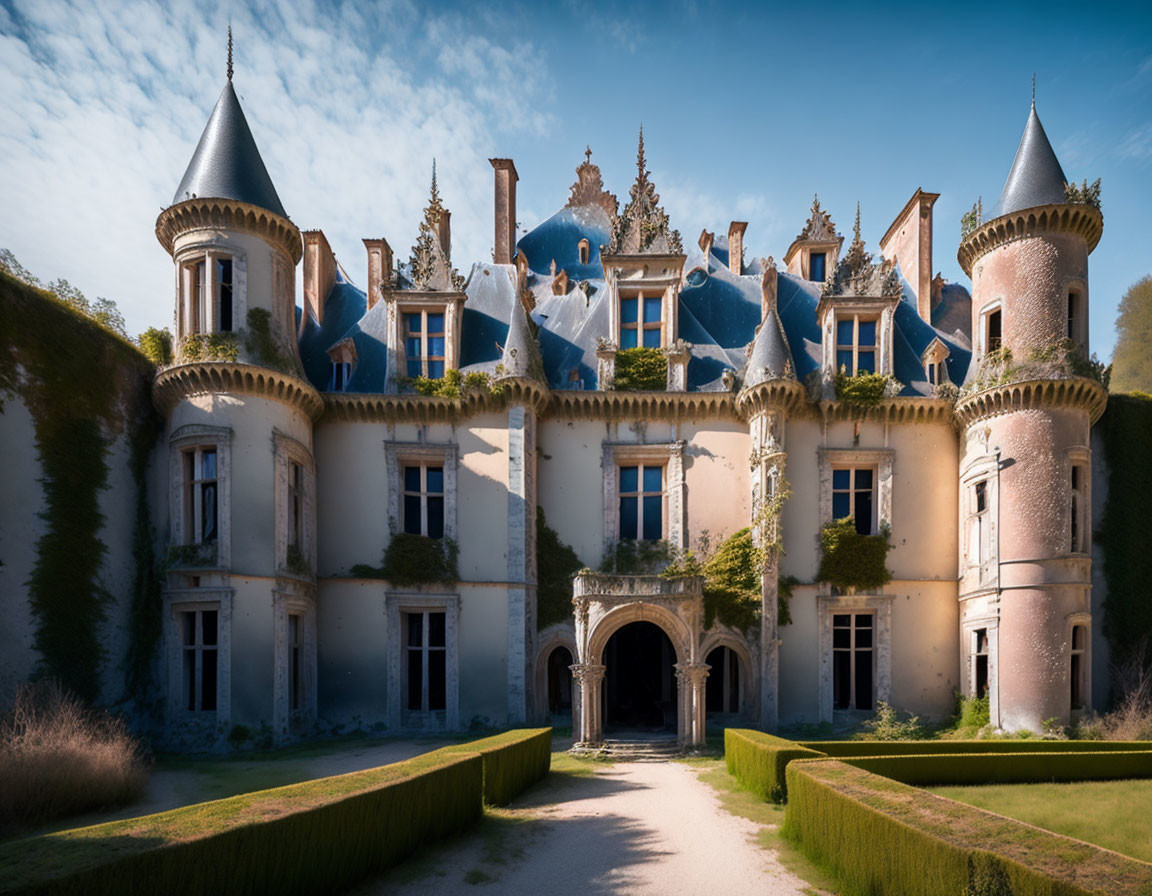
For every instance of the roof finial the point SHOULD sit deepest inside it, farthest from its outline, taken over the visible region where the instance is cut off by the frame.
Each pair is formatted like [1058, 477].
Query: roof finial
[229, 51]
[856, 226]
[435, 194]
[588, 155]
[1033, 90]
[641, 164]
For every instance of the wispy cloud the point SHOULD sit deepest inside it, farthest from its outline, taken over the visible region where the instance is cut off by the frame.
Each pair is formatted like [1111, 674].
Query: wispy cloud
[1137, 145]
[101, 106]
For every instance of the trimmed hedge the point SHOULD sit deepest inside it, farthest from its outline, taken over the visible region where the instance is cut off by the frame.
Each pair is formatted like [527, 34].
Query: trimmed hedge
[758, 760]
[842, 748]
[884, 837]
[513, 761]
[1007, 768]
[313, 837]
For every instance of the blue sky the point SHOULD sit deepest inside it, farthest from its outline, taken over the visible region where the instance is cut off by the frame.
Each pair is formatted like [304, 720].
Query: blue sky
[747, 111]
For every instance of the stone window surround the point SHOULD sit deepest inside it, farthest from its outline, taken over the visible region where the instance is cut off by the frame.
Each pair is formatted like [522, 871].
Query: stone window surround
[398, 603]
[991, 624]
[208, 250]
[982, 469]
[981, 340]
[881, 459]
[831, 250]
[343, 352]
[288, 450]
[284, 603]
[1080, 456]
[397, 454]
[1071, 621]
[670, 455]
[883, 311]
[1079, 286]
[880, 605]
[186, 600]
[398, 303]
[937, 353]
[198, 435]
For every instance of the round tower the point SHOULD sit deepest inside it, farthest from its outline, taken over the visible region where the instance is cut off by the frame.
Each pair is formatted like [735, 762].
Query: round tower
[239, 603]
[1026, 410]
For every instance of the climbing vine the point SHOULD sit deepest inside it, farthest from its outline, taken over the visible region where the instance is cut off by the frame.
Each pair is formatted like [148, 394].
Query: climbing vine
[556, 566]
[415, 560]
[454, 384]
[641, 369]
[864, 390]
[851, 561]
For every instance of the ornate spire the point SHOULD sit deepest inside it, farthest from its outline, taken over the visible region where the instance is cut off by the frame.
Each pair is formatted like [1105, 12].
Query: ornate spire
[229, 51]
[589, 188]
[819, 225]
[431, 268]
[435, 193]
[856, 275]
[643, 228]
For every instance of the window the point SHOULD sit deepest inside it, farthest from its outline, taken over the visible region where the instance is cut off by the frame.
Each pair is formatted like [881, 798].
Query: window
[853, 495]
[208, 306]
[1074, 316]
[294, 681]
[856, 344]
[980, 663]
[200, 659]
[640, 321]
[1078, 502]
[341, 374]
[993, 335]
[1076, 676]
[424, 344]
[426, 667]
[852, 673]
[979, 525]
[295, 505]
[201, 496]
[224, 292]
[584, 251]
[642, 502]
[816, 266]
[194, 303]
[424, 500]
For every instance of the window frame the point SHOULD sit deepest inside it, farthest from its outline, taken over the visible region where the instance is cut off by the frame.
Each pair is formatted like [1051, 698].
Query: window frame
[201, 293]
[853, 490]
[177, 601]
[642, 326]
[986, 314]
[291, 599]
[853, 651]
[670, 455]
[425, 359]
[857, 318]
[196, 437]
[398, 606]
[398, 455]
[287, 454]
[639, 496]
[425, 650]
[881, 460]
[827, 607]
[423, 493]
[1079, 522]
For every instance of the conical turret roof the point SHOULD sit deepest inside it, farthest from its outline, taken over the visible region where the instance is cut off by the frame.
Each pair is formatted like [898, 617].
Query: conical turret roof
[521, 356]
[227, 164]
[770, 358]
[1036, 177]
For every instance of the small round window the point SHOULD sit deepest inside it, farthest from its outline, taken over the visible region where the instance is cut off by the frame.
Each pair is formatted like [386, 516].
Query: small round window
[696, 277]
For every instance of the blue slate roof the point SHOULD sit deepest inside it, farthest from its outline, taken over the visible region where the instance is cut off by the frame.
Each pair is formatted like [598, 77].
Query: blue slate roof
[1036, 177]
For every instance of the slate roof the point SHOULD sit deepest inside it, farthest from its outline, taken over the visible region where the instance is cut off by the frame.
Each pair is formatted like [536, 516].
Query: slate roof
[226, 163]
[1036, 177]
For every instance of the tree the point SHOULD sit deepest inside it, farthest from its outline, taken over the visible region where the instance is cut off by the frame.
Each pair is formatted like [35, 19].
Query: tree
[103, 311]
[1132, 357]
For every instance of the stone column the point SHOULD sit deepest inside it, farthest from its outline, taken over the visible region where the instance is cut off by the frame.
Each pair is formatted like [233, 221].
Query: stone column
[588, 677]
[691, 678]
[521, 558]
[767, 478]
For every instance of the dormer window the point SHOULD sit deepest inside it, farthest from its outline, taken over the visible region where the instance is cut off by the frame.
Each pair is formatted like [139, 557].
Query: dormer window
[424, 344]
[641, 323]
[855, 344]
[341, 374]
[816, 266]
[344, 356]
[935, 370]
[585, 251]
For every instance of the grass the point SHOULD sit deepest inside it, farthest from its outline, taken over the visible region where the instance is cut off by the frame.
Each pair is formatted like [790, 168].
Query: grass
[743, 803]
[1114, 814]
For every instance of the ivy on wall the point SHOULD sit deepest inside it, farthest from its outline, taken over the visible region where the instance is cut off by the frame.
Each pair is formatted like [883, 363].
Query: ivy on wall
[83, 384]
[415, 560]
[556, 566]
[642, 369]
[851, 561]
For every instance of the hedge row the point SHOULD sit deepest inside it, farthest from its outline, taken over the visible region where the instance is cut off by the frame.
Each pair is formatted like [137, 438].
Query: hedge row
[1008, 768]
[314, 837]
[841, 748]
[758, 760]
[885, 837]
[513, 761]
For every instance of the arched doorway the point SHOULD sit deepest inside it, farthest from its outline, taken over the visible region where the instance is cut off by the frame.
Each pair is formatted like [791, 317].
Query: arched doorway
[560, 682]
[722, 690]
[640, 686]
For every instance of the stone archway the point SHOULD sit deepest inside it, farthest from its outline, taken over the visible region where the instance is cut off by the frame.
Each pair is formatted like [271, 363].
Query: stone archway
[550, 642]
[742, 654]
[606, 603]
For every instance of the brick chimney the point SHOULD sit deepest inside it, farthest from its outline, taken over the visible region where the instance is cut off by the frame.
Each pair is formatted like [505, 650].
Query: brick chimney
[706, 239]
[319, 273]
[504, 245]
[736, 246]
[444, 234]
[379, 267]
[909, 242]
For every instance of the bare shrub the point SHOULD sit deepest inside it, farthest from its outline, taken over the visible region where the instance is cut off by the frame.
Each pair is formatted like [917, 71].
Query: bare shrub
[60, 758]
[1132, 717]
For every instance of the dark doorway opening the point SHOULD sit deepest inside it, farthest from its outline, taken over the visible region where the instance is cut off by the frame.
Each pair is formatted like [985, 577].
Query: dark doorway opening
[640, 679]
[559, 682]
[722, 688]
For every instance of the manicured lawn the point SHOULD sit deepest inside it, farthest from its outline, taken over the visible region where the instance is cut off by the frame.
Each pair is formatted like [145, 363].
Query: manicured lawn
[1114, 814]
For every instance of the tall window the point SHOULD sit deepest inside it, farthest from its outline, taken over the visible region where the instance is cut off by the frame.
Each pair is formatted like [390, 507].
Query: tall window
[294, 680]
[979, 525]
[584, 251]
[426, 669]
[224, 292]
[1076, 510]
[424, 500]
[424, 344]
[642, 502]
[993, 333]
[852, 670]
[1076, 672]
[853, 495]
[295, 505]
[194, 300]
[856, 344]
[640, 321]
[1074, 316]
[341, 374]
[198, 315]
[980, 663]
[201, 496]
[816, 266]
[200, 659]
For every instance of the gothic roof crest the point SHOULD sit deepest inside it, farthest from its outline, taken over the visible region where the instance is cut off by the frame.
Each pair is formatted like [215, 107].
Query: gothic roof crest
[857, 275]
[819, 225]
[430, 266]
[643, 228]
[589, 188]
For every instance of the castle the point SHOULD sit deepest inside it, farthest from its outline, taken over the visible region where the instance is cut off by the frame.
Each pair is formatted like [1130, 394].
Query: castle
[640, 392]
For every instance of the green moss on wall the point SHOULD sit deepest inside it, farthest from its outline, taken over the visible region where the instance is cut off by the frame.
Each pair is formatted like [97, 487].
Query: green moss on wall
[851, 561]
[414, 560]
[556, 567]
[83, 386]
[642, 369]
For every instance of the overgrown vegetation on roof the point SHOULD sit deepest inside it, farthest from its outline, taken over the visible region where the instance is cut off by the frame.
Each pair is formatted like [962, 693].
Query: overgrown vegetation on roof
[1060, 360]
[1083, 194]
[556, 567]
[641, 369]
[454, 384]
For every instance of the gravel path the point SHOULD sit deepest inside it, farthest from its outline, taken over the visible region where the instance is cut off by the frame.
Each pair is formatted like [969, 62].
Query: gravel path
[635, 828]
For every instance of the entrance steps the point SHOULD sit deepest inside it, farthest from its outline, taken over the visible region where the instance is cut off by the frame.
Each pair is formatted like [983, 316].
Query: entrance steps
[635, 749]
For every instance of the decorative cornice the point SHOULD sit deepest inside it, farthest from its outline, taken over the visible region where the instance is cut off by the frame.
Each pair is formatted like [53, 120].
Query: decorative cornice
[172, 384]
[901, 409]
[788, 396]
[1072, 393]
[1083, 220]
[370, 407]
[228, 214]
[627, 405]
